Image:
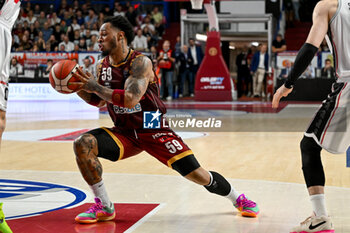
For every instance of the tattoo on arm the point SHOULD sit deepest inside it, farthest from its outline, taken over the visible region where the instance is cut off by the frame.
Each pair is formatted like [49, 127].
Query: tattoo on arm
[136, 85]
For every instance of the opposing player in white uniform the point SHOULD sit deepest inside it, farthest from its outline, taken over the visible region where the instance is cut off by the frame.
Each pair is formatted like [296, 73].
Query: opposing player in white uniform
[8, 15]
[330, 128]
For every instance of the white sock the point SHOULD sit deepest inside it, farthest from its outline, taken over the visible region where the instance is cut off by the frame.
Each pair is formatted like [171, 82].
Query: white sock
[99, 191]
[318, 204]
[233, 195]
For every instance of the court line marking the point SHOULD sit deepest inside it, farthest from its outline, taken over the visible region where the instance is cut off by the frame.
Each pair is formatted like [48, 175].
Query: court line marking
[160, 175]
[145, 218]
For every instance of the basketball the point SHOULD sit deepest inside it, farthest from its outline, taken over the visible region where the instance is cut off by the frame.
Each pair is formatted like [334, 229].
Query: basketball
[61, 75]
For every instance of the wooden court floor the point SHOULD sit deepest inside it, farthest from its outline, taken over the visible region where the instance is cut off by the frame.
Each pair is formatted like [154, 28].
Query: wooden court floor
[263, 164]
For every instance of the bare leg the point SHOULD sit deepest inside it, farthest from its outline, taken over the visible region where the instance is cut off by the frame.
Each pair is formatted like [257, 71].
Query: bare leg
[86, 150]
[199, 176]
[313, 190]
[2, 123]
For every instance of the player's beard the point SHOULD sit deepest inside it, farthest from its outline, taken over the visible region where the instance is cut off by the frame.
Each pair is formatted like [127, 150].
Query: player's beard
[112, 45]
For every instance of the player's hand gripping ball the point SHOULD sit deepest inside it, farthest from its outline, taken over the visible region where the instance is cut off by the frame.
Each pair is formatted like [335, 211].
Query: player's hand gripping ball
[61, 77]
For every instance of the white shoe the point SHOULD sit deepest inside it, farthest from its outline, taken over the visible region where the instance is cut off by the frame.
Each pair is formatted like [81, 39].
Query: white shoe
[192, 95]
[180, 96]
[169, 98]
[315, 224]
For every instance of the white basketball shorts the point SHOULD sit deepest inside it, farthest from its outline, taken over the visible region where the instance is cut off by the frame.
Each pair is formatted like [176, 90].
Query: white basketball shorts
[330, 127]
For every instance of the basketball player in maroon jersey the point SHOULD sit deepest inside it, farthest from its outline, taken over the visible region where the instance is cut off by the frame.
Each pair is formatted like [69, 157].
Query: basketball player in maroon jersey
[127, 83]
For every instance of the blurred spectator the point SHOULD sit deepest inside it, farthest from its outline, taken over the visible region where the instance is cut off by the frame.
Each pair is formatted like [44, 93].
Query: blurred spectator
[196, 53]
[93, 43]
[76, 6]
[132, 16]
[75, 25]
[30, 18]
[15, 43]
[53, 43]
[28, 7]
[40, 42]
[100, 19]
[35, 48]
[87, 66]
[279, 44]
[243, 73]
[76, 48]
[47, 31]
[324, 46]
[153, 55]
[178, 46]
[68, 46]
[54, 19]
[328, 70]
[87, 36]
[82, 44]
[61, 48]
[90, 19]
[286, 71]
[118, 10]
[25, 44]
[64, 27]
[147, 23]
[166, 61]
[258, 68]
[42, 19]
[157, 16]
[309, 72]
[107, 11]
[26, 26]
[85, 9]
[95, 30]
[289, 13]
[15, 69]
[67, 18]
[63, 7]
[140, 42]
[48, 68]
[151, 40]
[37, 10]
[186, 67]
[76, 37]
[57, 32]
[80, 17]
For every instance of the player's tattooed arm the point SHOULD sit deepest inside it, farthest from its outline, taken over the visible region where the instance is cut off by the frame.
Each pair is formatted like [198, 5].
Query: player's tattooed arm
[137, 83]
[91, 98]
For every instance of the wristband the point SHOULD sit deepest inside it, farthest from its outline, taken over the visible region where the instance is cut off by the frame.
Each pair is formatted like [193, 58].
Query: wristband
[118, 97]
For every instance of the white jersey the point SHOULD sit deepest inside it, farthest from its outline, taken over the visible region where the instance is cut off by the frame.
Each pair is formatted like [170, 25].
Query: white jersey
[9, 13]
[339, 33]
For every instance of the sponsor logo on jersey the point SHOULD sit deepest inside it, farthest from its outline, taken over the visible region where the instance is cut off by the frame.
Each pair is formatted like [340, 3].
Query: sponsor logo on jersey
[123, 110]
[34, 198]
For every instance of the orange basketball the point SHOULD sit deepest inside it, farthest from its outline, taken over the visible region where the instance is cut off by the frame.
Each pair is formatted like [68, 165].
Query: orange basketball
[61, 75]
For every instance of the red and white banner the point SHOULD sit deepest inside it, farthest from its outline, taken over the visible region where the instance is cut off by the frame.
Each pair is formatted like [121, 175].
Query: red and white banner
[34, 63]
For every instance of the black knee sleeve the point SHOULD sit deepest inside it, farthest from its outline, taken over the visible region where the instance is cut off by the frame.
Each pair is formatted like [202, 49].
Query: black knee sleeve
[218, 185]
[312, 164]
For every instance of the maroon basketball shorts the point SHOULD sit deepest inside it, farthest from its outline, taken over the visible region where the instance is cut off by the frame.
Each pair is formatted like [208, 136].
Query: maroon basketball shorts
[163, 144]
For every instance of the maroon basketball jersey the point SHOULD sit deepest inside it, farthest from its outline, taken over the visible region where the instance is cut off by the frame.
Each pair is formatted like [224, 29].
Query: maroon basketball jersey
[114, 77]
